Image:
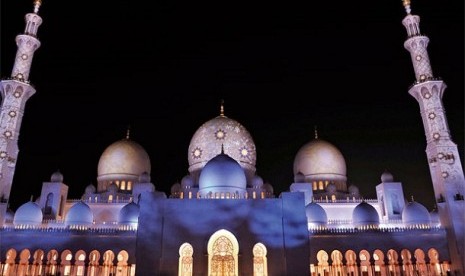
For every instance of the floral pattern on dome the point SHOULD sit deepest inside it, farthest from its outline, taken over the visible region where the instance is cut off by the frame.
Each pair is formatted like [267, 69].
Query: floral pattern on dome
[197, 153]
[222, 132]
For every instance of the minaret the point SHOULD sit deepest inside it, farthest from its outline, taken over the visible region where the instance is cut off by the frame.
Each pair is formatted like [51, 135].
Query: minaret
[15, 91]
[442, 154]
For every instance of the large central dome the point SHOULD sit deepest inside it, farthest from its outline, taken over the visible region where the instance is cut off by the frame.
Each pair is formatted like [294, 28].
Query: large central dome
[222, 132]
[319, 159]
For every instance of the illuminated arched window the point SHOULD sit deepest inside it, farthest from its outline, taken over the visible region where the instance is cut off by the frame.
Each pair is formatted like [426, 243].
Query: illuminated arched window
[23, 262]
[393, 262]
[108, 258]
[260, 265]
[123, 185]
[421, 268]
[66, 258]
[222, 254]
[434, 262]
[9, 265]
[407, 265]
[51, 267]
[365, 264]
[129, 185]
[37, 262]
[378, 256]
[186, 261]
[94, 258]
[336, 262]
[122, 268]
[323, 266]
[79, 265]
[351, 262]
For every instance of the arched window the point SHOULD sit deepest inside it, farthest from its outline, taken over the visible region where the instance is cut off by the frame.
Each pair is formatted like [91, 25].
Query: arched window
[122, 268]
[351, 262]
[323, 265]
[108, 258]
[223, 249]
[37, 262]
[407, 265]
[365, 265]
[66, 258]
[79, 265]
[260, 265]
[23, 262]
[420, 267]
[393, 262]
[378, 256]
[48, 204]
[186, 261]
[51, 267]
[93, 266]
[9, 262]
[336, 262]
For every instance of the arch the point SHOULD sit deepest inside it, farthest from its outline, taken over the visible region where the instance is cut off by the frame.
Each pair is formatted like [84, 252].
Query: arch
[379, 267]
[223, 250]
[351, 262]
[420, 263]
[108, 258]
[336, 262]
[393, 262]
[435, 266]
[37, 262]
[260, 263]
[323, 265]
[24, 257]
[51, 266]
[65, 261]
[407, 265]
[8, 267]
[93, 267]
[122, 264]
[79, 263]
[365, 264]
[186, 261]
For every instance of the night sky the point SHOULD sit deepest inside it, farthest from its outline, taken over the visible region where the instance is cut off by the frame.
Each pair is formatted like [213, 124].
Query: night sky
[282, 68]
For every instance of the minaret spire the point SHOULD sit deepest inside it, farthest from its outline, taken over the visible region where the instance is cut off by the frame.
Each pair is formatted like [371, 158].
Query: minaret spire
[222, 108]
[15, 92]
[316, 132]
[442, 155]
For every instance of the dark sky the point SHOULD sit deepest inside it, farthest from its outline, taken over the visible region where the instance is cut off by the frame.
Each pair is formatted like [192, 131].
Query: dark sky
[163, 67]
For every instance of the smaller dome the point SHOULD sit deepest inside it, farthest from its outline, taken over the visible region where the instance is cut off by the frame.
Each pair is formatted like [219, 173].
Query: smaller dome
[365, 214]
[29, 213]
[112, 188]
[316, 215]
[331, 188]
[268, 188]
[414, 213]
[175, 188]
[144, 177]
[257, 181]
[79, 214]
[56, 177]
[90, 189]
[387, 177]
[222, 174]
[353, 190]
[187, 182]
[299, 178]
[129, 213]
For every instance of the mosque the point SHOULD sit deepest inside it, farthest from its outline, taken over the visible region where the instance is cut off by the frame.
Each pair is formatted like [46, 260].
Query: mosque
[222, 219]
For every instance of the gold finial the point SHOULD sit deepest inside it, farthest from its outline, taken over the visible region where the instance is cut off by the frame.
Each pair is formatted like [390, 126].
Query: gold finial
[37, 4]
[316, 133]
[128, 132]
[222, 148]
[222, 108]
[407, 6]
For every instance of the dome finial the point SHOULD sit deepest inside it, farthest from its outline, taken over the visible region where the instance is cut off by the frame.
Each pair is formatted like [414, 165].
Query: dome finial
[222, 108]
[32, 198]
[316, 132]
[412, 198]
[407, 6]
[37, 4]
[222, 148]
[128, 132]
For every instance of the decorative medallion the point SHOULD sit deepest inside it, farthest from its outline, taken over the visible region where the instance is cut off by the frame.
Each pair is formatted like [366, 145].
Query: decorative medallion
[440, 155]
[17, 94]
[24, 56]
[197, 153]
[445, 174]
[244, 152]
[19, 76]
[436, 136]
[12, 114]
[7, 133]
[220, 134]
[3, 154]
[422, 77]
[432, 115]
[427, 95]
[418, 57]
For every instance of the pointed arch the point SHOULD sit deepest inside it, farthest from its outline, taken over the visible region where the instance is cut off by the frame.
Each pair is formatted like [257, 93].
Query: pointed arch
[393, 260]
[260, 263]
[8, 267]
[336, 262]
[24, 257]
[223, 250]
[93, 267]
[65, 260]
[186, 261]
[79, 263]
[51, 266]
[351, 262]
[420, 263]
[365, 264]
[407, 265]
[122, 268]
[37, 262]
[323, 265]
[379, 267]
[108, 258]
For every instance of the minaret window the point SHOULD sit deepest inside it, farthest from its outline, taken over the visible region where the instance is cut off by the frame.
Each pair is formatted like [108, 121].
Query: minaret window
[123, 185]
